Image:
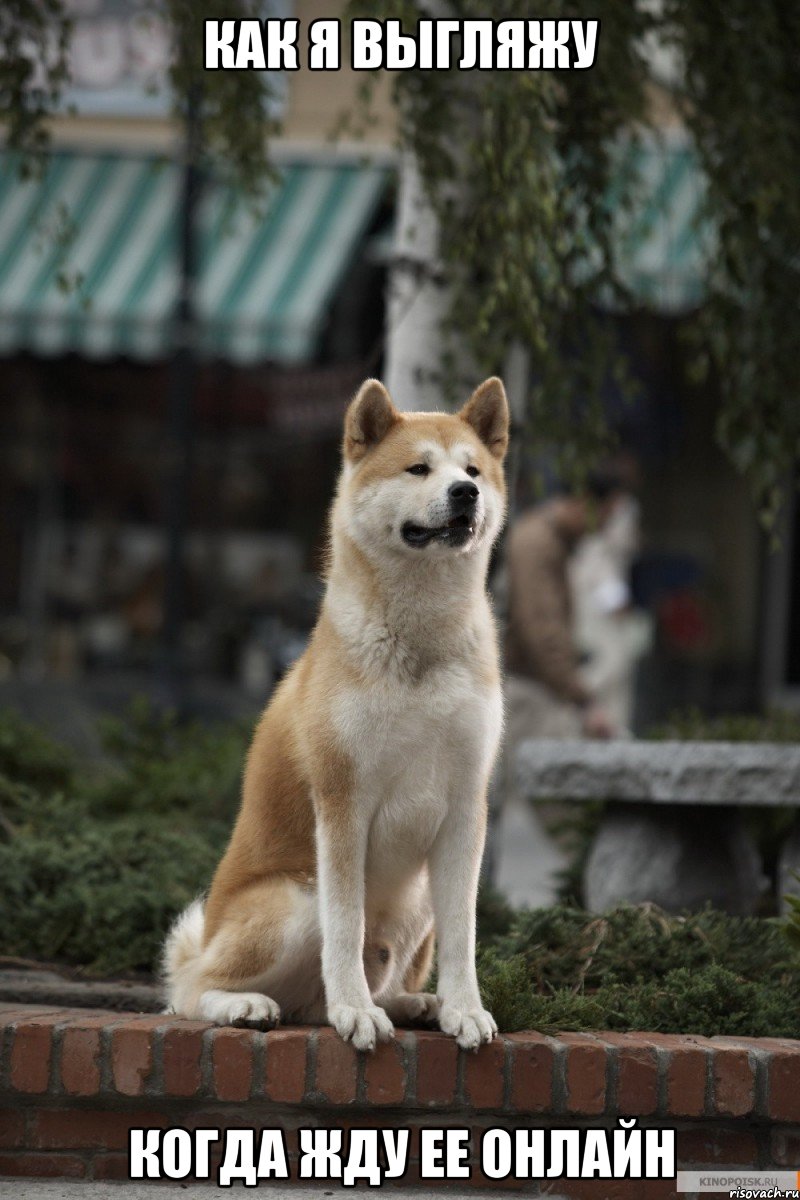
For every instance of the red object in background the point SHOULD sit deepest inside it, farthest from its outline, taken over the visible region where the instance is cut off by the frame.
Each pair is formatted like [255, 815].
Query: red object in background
[684, 621]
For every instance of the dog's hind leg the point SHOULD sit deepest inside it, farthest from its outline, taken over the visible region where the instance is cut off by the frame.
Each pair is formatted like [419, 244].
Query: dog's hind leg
[262, 958]
[251, 1009]
[411, 1003]
[419, 968]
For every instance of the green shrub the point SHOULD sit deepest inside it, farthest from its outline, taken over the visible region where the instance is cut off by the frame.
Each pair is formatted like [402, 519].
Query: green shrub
[30, 756]
[100, 894]
[567, 947]
[691, 725]
[96, 860]
[95, 863]
[160, 765]
[709, 1002]
[637, 968]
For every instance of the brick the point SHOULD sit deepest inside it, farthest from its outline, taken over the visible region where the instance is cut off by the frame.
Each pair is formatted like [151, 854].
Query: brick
[111, 1166]
[80, 1061]
[532, 1062]
[687, 1072]
[661, 1189]
[232, 1063]
[41, 1166]
[131, 1059]
[182, 1051]
[484, 1084]
[594, 1189]
[292, 1139]
[597, 1189]
[412, 1178]
[12, 1128]
[785, 1147]
[733, 1083]
[637, 1074]
[784, 1085]
[31, 1054]
[783, 1045]
[585, 1074]
[87, 1129]
[716, 1147]
[637, 1081]
[437, 1063]
[89, 1018]
[285, 1078]
[337, 1069]
[480, 1180]
[385, 1073]
[10, 1013]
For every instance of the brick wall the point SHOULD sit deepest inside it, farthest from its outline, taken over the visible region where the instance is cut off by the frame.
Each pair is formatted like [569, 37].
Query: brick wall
[74, 1081]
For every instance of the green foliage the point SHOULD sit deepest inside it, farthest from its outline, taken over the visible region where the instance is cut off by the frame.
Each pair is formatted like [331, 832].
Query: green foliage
[95, 862]
[566, 947]
[742, 105]
[692, 725]
[100, 894]
[637, 968]
[28, 754]
[792, 923]
[506, 991]
[518, 166]
[32, 33]
[233, 106]
[160, 765]
[494, 915]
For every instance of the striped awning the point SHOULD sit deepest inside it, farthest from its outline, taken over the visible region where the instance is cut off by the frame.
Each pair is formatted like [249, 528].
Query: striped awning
[89, 257]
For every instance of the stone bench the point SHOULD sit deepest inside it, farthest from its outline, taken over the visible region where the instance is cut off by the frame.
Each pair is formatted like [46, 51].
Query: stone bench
[672, 832]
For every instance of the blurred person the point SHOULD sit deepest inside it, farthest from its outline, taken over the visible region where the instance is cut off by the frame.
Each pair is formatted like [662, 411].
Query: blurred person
[611, 634]
[547, 695]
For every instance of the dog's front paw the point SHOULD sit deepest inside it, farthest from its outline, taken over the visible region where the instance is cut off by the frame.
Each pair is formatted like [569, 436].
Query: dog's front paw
[361, 1026]
[469, 1026]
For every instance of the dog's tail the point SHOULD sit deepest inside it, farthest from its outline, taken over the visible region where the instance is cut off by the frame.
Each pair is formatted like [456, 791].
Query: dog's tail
[182, 950]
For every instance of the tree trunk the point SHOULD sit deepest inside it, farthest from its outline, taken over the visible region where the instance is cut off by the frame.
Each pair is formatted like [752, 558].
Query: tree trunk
[417, 300]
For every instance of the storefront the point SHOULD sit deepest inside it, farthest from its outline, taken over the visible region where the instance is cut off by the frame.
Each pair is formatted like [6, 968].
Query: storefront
[288, 311]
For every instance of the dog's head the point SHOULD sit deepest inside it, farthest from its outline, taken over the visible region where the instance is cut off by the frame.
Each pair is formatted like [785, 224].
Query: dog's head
[424, 484]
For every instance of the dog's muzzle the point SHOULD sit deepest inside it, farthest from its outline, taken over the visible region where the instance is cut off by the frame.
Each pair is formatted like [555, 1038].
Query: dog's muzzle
[462, 498]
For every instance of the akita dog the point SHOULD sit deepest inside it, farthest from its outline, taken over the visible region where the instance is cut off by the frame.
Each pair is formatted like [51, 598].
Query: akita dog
[363, 814]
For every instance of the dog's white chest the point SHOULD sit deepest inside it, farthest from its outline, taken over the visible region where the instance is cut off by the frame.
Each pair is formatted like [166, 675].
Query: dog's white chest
[392, 731]
[415, 751]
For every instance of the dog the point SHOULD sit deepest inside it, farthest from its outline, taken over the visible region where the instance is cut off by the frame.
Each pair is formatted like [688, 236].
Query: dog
[363, 812]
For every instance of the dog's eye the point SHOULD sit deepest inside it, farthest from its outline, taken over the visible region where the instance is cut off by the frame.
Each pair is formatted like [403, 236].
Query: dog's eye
[419, 469]
[472, 471]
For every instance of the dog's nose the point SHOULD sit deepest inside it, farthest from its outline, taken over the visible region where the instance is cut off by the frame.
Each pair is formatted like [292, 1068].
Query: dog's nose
[462, 494]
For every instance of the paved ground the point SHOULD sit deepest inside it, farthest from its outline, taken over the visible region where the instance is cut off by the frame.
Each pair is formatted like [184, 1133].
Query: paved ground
[57, 1189]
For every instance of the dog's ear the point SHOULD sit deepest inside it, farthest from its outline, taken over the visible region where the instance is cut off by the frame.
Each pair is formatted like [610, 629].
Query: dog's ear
[487, 412]
[369, 418]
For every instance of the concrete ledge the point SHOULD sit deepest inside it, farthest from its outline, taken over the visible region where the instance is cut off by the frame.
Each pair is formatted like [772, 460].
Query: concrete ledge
[746, 773]
[50, 989]
[72, 1084]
